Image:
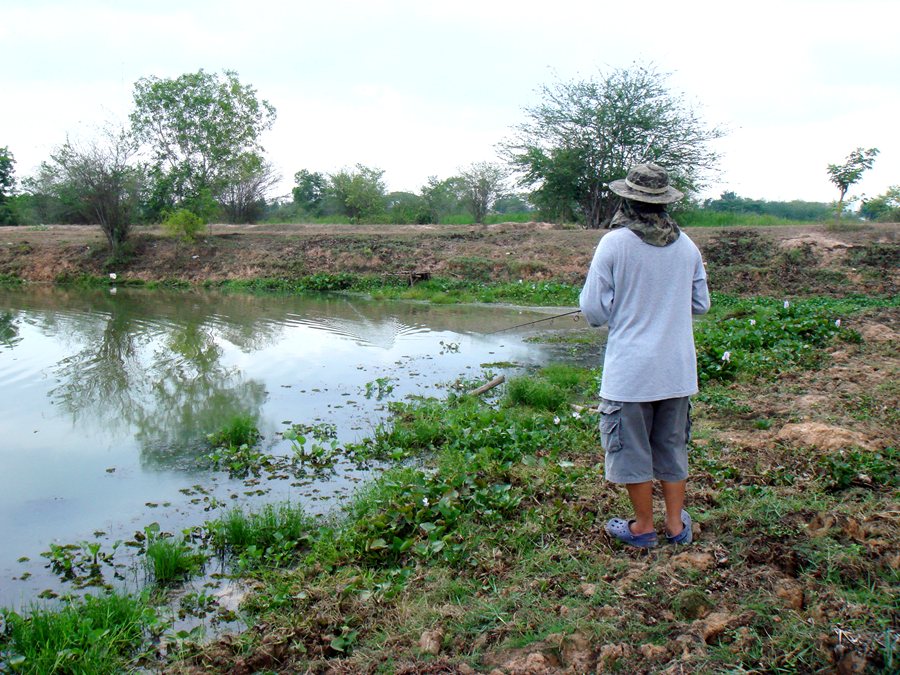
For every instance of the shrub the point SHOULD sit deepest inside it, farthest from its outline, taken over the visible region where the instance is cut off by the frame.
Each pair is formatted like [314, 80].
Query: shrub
[183, 223]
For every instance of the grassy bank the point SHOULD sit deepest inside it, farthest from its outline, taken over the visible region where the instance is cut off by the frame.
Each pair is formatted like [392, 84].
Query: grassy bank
[483, 546]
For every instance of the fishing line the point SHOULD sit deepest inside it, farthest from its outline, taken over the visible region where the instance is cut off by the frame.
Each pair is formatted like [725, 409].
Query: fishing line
[529, 323]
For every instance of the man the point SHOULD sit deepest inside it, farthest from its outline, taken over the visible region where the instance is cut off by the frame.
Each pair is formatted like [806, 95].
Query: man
[645, 281]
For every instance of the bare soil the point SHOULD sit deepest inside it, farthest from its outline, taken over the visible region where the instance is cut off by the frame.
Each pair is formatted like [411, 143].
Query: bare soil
[751, 260]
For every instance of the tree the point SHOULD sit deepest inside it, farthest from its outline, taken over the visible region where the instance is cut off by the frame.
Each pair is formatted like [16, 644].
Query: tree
[884, 207]
[406, 207]
[7, 186]
[309, 191]
[585, 134]
[359, 194]
[850, 172]
[483, 183]
[244, 197]
[202, 128]
[442, 197]
[100, 180]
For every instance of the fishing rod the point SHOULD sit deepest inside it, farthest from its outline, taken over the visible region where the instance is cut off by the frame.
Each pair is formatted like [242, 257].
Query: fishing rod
[529, 323]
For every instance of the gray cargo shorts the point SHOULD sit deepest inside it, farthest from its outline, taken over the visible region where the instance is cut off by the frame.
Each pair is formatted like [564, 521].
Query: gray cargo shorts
[644, 441]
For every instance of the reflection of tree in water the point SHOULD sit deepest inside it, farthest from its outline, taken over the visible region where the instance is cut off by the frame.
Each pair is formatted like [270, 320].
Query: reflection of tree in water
[9, 331]
[194, 395]
[164, 378]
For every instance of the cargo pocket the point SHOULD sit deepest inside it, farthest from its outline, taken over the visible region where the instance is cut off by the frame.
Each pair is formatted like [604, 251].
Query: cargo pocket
[610, 425]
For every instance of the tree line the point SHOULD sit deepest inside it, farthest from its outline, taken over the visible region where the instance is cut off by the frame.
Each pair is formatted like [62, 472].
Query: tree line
[191, 154]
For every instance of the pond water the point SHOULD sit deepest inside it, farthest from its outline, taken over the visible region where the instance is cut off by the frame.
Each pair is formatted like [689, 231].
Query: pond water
[107, 399]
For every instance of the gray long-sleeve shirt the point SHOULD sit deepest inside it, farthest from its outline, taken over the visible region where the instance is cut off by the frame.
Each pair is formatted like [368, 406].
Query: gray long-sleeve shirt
[647, 294]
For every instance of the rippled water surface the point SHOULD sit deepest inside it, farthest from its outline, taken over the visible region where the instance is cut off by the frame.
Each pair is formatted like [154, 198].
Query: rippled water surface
[107, 399]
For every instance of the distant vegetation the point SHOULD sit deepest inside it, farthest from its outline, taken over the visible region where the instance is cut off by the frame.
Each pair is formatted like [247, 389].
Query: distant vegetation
[191, 156]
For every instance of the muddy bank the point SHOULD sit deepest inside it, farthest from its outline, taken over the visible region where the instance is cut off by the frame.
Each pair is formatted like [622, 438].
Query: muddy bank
[800, 259]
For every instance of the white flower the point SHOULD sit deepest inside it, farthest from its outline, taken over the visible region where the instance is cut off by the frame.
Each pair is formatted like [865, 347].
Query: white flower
[424, 501]
[786, 304]
[752, 322]
[112, 275]
[576, 415]
[112, 291]
[726, 357]
[556, 420]
[837, 322]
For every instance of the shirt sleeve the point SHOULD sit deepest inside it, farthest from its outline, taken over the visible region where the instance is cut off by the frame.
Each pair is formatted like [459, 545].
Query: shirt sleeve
[599, 292]
[700, 291]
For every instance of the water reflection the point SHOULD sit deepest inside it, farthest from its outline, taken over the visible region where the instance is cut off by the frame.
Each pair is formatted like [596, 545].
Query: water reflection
[9, 332]
[108, 398]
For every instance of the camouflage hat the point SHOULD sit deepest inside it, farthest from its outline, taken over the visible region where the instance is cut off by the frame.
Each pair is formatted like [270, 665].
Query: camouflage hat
[646, 183]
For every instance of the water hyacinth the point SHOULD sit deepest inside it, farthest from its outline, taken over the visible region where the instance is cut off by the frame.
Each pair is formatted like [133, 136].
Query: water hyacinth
[786, 304]
[837, 323]
[726, 357]
[752, 322]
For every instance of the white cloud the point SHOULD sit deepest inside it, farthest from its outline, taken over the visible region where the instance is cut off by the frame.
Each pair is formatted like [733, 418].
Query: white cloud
[421, 88]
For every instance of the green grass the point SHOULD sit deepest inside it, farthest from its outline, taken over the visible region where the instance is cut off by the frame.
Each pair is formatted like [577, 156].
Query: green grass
[239, 430]
[168, 560]
[536, 393]
[725, 219]
[274, 536]
[96, 634]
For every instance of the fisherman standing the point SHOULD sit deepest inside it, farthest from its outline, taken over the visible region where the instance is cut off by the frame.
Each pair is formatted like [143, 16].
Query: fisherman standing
[645, 281]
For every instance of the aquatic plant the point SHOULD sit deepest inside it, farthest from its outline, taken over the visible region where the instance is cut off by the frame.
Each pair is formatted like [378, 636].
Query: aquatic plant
[239, 430]
[274, 536]
[168, 559]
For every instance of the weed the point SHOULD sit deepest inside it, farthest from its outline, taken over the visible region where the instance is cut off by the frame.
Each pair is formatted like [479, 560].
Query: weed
[861, 467]
[274, 536]
[536, 393]
[96, 634]
[240, 430]
[168, 559]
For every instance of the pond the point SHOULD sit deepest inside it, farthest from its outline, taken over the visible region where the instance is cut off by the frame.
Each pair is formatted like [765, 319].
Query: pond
[108, 396]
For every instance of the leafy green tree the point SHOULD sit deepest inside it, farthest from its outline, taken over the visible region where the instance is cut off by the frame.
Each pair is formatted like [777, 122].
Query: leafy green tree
[585, 134]
[442, 197]
[310, 188]
[7, 186]
[204, 130]
[512, 203]
[406, 207]
[359, 194]
[729, 202]
[483, 183]
[849, 173]
[884, 208]
[100, 180]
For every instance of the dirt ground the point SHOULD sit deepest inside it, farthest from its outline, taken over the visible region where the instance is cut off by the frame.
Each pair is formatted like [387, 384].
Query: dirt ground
[494, 252]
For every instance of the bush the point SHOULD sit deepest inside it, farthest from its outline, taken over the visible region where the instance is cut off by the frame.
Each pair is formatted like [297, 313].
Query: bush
[184, 224]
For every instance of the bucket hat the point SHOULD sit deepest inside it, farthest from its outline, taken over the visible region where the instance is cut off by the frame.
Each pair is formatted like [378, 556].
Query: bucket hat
[646, 183]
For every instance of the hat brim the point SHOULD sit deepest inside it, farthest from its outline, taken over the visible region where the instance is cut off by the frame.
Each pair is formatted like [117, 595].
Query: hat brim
[667, 197]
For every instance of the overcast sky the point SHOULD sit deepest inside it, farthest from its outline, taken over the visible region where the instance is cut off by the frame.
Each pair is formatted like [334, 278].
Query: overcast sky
[422, 88]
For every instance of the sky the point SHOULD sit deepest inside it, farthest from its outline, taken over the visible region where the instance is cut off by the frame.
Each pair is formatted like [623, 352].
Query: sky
[421, 88]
